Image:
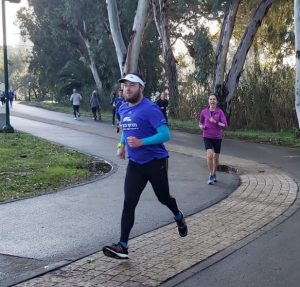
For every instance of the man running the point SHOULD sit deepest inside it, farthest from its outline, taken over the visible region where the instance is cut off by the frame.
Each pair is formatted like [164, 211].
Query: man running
[144, 130]
[75, 99]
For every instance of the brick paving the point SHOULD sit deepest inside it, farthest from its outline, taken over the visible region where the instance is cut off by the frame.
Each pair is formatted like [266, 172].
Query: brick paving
[264, 194]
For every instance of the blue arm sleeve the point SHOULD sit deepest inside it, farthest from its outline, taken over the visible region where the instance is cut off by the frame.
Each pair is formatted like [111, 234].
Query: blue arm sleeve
[122, 139]
[163, 135]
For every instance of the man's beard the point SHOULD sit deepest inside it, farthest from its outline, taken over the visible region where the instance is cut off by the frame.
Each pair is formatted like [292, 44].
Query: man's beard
[134, 98]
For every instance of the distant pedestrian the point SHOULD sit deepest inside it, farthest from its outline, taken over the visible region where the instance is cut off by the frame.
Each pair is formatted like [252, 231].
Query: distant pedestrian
[211, 121]
[163, 103]
[113, 110]
[11, 97]
[95, 105]
[2, 98]
[75, 99]
[144, 130]
[119, 100]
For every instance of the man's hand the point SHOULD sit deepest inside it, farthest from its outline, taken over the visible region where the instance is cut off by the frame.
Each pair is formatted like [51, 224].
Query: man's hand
[134, 142]
[121, 152]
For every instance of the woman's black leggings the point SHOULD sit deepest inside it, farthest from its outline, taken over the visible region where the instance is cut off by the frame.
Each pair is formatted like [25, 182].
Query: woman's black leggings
[137, 176]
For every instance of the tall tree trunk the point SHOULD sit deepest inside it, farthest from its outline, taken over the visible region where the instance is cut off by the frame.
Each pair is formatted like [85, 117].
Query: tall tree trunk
[115, 28]
[91, 59]
[127, 59]
[136, 37]
[222, 50]
[160, 11]
[297, 49]
[238, 61]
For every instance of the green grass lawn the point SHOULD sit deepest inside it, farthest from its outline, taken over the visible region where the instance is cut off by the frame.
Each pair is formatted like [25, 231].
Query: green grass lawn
[30, 166]
[285, 138]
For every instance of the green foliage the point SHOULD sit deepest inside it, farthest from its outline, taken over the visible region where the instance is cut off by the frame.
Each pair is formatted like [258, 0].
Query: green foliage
[204, 57]
[277, 31]
[192, 98]
[43, 25]
[149, 63]
[275, 36]
[287, 137]
[265, 100]
[56, 28]
[74, 75]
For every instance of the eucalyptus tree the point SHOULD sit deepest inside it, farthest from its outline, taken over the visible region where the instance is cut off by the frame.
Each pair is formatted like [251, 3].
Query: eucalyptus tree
[42, 24]
[68, 30]
[297, 49]
[179, 19]
[194, 16]
[275, 38]
[88, 20]
[225, 85]
[128, 55]
[160, 12]
[150, 65]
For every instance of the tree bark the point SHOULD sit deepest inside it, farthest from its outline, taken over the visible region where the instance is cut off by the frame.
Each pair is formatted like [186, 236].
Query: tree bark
[91, 59]
[136, 37]
[115, 28]
[223, 47]
[160, 12]
[128, 59]
[297, 50]
[238, 61]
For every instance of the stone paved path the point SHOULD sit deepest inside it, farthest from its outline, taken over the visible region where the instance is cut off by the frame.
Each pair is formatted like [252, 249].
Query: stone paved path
[263, 195]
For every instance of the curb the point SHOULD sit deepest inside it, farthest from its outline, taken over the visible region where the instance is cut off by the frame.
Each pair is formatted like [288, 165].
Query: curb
[265, 198]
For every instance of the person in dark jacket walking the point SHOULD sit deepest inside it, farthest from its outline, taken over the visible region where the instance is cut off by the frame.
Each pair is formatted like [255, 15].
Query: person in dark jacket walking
[11, 97]
[113, 110]
[119, 100]
[163, 103]
[2, 98]
[95, 105]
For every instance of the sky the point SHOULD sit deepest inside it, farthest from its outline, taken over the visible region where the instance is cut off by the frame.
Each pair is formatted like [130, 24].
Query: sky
[12, 31]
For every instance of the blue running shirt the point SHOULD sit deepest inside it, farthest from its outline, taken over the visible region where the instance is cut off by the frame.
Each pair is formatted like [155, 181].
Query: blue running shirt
[141, 121]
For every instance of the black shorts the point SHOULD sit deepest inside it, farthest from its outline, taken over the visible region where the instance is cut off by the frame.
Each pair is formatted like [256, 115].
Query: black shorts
[214, 144]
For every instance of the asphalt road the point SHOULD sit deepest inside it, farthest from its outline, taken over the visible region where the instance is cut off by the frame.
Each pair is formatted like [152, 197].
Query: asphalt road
[273, 259]
[72, 223]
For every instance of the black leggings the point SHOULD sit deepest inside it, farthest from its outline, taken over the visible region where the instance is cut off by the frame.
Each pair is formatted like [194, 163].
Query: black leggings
[137, 176]
[75, 110]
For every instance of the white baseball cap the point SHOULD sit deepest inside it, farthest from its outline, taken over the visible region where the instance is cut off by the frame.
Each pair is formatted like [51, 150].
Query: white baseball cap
[132, 78]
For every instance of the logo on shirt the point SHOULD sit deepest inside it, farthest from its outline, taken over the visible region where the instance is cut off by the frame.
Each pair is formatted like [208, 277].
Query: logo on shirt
[127, 124]
[127, 119]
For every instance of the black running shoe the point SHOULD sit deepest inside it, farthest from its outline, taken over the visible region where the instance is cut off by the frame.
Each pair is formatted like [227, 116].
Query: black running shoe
[115, 251]
[182, 227]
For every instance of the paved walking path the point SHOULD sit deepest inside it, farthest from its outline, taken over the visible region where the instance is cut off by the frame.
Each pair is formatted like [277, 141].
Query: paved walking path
[263, 195]
[44, 232]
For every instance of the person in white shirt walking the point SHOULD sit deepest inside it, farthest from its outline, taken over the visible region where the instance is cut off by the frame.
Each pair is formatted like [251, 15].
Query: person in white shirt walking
[75, 99]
